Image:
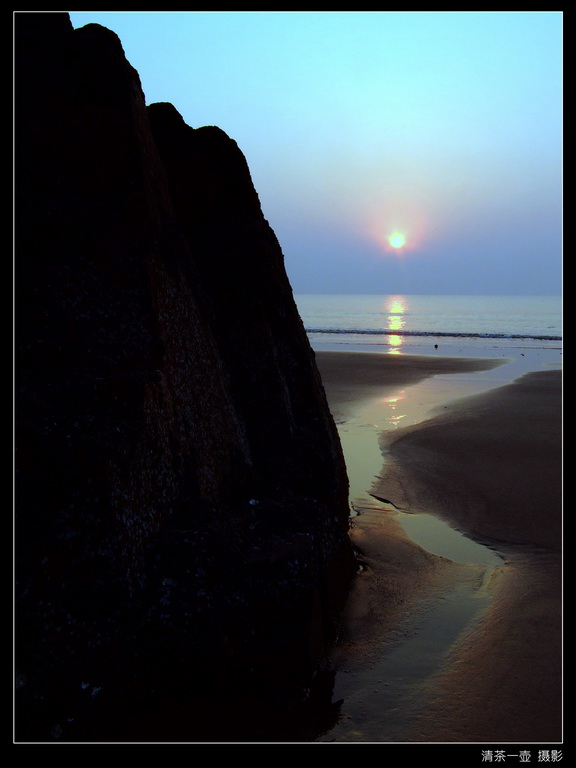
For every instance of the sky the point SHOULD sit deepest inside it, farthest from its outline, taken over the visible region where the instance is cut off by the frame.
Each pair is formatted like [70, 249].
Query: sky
[392, 152]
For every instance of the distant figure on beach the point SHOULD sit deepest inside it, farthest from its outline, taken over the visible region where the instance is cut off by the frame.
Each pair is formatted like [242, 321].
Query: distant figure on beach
[435, 346]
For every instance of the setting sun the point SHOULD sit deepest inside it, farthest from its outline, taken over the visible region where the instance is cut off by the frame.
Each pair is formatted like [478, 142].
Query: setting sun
[397, 240]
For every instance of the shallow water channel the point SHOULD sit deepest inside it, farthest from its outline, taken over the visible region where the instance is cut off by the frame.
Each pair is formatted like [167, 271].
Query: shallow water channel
[364, 460]
[383, 700]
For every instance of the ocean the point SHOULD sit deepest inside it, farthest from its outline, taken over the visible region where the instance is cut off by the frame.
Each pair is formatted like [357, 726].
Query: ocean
[399, 323]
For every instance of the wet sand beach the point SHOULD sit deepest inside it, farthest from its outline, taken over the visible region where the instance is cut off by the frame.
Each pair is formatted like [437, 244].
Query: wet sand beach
[437, 648]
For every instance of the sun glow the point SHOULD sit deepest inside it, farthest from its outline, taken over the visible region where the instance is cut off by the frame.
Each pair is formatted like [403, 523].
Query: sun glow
[397, 240]
[399, 225]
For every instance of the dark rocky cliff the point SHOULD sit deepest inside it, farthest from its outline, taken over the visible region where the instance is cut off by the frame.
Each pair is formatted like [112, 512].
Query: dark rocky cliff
[181, 499]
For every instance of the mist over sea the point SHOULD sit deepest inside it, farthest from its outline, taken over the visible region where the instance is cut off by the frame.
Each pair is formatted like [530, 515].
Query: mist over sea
[413, 324]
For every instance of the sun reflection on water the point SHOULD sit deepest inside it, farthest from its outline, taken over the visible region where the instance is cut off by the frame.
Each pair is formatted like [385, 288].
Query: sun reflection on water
[395, 306]
[395, 343]
[392, 416]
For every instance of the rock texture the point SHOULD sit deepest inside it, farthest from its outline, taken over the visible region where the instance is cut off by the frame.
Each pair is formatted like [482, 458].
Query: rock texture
[181, 519]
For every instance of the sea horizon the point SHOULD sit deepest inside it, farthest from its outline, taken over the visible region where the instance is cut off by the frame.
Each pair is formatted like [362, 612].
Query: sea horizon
[405, 322]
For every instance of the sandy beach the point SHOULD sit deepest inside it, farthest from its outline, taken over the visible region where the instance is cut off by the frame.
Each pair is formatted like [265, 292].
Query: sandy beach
[477, 648]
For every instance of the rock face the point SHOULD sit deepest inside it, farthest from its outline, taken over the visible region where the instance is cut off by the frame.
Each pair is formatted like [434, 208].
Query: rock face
[181, 497]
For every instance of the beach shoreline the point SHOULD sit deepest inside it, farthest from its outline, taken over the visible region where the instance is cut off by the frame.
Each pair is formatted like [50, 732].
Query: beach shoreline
[489, 463]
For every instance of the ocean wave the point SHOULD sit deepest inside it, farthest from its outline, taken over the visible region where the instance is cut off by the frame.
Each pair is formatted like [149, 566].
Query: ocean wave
[438, 334]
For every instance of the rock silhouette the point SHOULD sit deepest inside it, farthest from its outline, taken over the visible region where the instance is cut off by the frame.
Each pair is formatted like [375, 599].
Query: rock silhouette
[181, 508]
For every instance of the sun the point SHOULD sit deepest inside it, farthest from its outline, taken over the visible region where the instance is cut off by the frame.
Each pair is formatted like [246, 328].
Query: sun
[397, 240]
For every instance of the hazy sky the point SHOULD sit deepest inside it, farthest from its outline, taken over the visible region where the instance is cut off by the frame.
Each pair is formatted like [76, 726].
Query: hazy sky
[442, 127]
